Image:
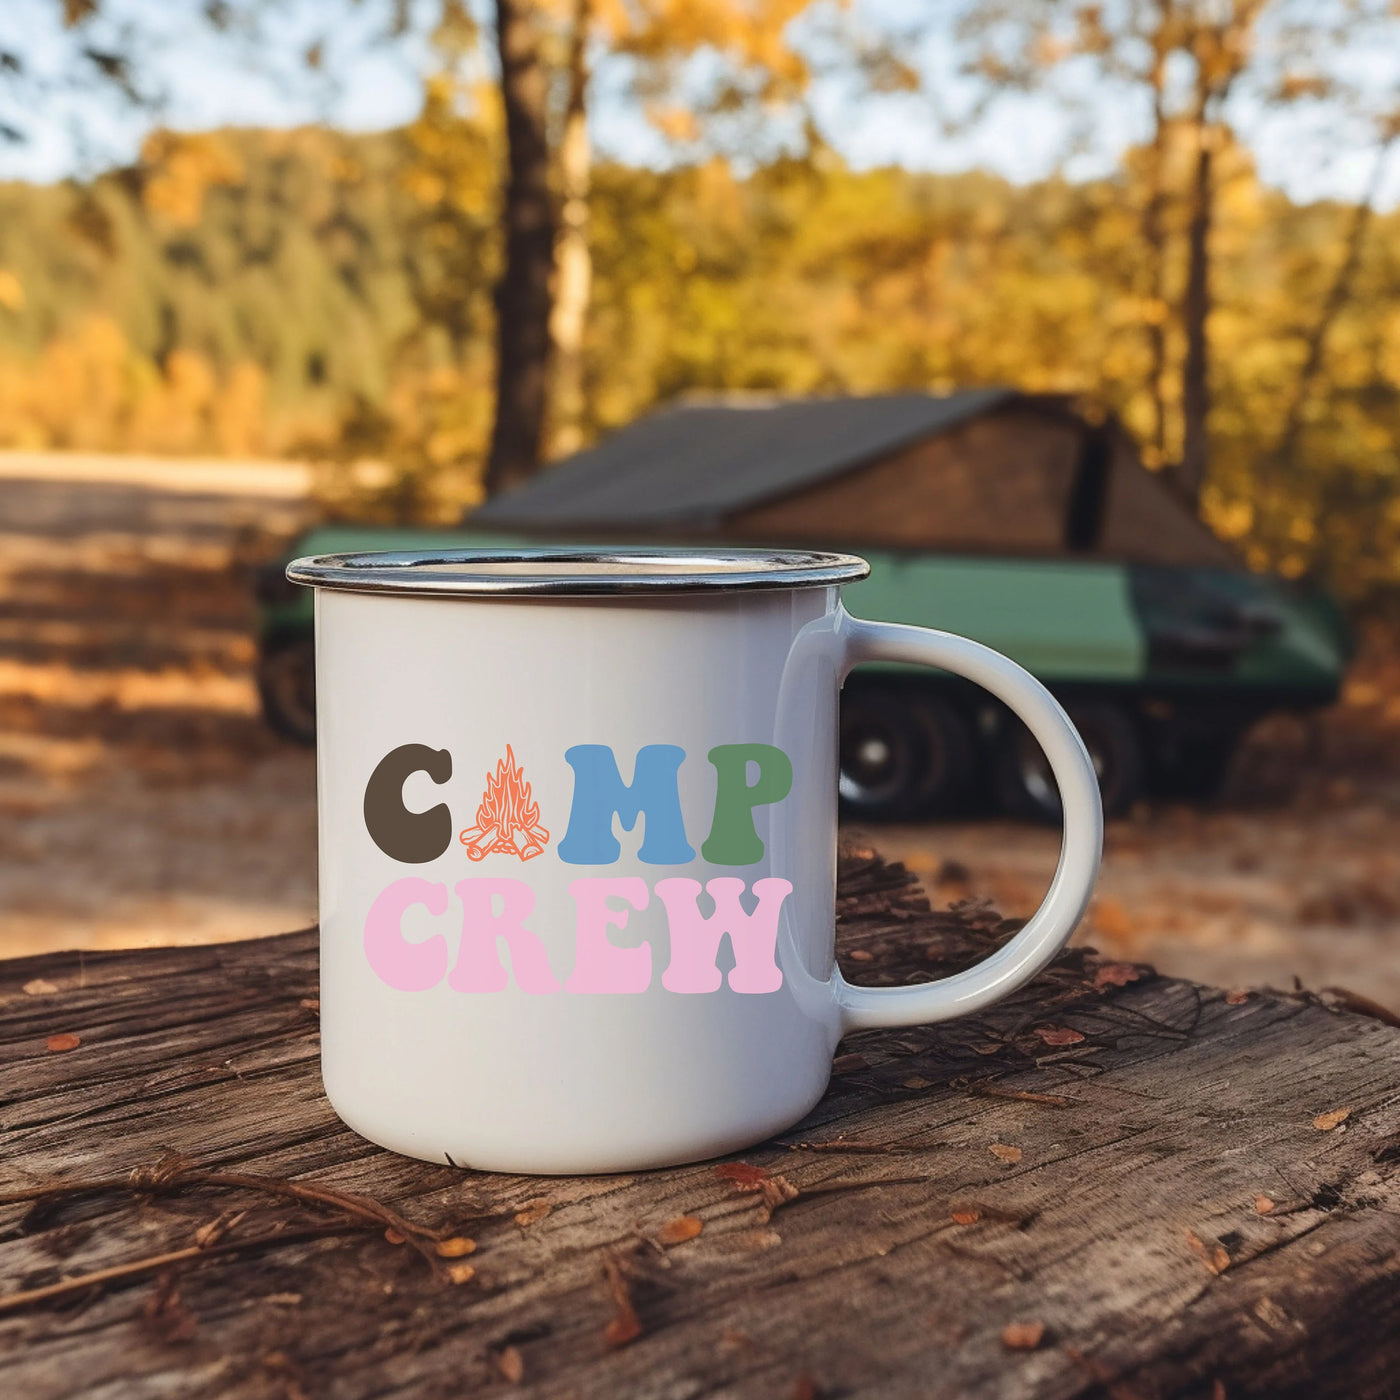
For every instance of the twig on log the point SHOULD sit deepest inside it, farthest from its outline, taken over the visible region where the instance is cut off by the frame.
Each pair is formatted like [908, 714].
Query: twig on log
[173, 1172]
[154, 1262]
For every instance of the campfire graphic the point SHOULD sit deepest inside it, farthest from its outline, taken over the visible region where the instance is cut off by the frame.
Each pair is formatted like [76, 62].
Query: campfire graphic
[507, 821]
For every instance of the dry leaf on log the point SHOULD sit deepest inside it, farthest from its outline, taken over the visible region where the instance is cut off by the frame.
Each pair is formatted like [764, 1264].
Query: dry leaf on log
[1059, 1035]
[1004, 1152]
[532, 1212]
[455, 1247]
[625, 1326]
[679, 1230]
[1236, 996]
[65, 1041]
[1327, 1121]
[1214, 1255]
[460, 1273]
[510, 1364]
[1117, 974]
[1022, 1336]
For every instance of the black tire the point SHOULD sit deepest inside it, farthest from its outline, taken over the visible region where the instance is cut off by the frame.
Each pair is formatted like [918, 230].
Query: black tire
[902, 755]
[287, 688]
[1025, 787]
[1196, 771]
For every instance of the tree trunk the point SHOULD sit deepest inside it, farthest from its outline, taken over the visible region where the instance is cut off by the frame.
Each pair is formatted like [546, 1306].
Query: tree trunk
[573, 264]
[523, 293]
[1154, 236]
[1196, 306]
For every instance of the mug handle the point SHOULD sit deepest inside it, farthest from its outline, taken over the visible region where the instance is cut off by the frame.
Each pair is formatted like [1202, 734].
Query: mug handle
[864, 1008]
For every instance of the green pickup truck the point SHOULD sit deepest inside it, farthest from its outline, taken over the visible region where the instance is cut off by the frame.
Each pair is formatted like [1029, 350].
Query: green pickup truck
[1006, 517]
[1163, 669]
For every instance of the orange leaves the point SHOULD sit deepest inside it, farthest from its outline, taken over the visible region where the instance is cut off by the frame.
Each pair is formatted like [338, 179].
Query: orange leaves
[1004, 1152]
[1118, 974]
[533, 1211]
[455, 1247]
[66, 1040]
[679, 1230]
[1022, 1336]
[1059, 1035]
[1325, 1122]
[625, 1326]
[1212, 1254]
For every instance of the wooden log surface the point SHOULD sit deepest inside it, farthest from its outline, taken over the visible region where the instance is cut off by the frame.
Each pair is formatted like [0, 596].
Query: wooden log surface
[1114, 1184]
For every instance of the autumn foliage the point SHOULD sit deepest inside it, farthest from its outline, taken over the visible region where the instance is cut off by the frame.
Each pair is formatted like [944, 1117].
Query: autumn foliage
[330, 295]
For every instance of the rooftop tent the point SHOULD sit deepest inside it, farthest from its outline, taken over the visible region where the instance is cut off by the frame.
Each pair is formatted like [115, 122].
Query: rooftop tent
[988, 471]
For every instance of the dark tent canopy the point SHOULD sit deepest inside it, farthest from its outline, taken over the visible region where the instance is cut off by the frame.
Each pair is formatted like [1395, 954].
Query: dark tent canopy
[984, 471]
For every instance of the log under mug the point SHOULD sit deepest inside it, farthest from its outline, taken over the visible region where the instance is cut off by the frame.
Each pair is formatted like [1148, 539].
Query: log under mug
[578, 847]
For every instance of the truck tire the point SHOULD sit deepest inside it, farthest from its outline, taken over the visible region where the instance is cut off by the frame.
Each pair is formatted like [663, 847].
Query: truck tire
[287, 688]
[1196, 771]
[902, 755]
[1025, 787]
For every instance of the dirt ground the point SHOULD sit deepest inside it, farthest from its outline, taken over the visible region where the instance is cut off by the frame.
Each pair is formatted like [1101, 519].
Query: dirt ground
[142, 801]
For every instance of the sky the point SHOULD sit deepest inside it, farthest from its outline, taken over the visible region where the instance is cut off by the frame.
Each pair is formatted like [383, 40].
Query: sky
[200, 79]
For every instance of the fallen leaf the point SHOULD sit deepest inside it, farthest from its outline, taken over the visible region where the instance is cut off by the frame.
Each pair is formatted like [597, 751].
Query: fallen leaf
[455, 1247]
[744, 1176]
[1005, 1153]
[39, 987]
[460, 1273]
[847, 1064]
[1325, 1121]
[510, 1364]
[918, 1082]
[532, 1212]
[967, 1217]
[989, 1049]
[625, 1326]
[64, 1041]
[1263, 1205]
[861, 955]
[1236, 996]
[1117, 974]
[679, 1230]
[1059, 1035]
[393, 1236]
[1214, 1256]
[1022, 1336]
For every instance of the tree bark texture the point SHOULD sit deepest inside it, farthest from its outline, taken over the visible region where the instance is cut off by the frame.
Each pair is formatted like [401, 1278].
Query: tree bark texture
[1112, 1184]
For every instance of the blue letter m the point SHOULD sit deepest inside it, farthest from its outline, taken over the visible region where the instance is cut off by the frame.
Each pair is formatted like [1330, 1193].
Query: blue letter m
[599, 792]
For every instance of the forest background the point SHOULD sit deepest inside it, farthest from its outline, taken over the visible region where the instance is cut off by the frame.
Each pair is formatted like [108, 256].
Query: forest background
[316, 293]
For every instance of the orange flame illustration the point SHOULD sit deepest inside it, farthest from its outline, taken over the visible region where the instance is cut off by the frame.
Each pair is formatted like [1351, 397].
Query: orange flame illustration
[507, 821]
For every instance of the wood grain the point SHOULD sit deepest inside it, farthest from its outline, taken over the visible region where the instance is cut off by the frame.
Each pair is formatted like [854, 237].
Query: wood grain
[1128, 1228]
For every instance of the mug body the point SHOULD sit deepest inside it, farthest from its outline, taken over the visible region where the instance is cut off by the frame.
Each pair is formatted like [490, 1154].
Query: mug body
[577, 870]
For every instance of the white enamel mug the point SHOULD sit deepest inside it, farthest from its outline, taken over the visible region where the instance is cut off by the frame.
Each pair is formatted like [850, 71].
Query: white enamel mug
[578, 848]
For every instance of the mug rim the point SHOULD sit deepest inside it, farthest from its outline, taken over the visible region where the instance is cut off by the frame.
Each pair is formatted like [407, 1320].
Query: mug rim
[574, 571]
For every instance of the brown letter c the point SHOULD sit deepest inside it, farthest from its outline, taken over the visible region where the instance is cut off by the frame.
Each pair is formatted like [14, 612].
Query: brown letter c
[411, 837]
